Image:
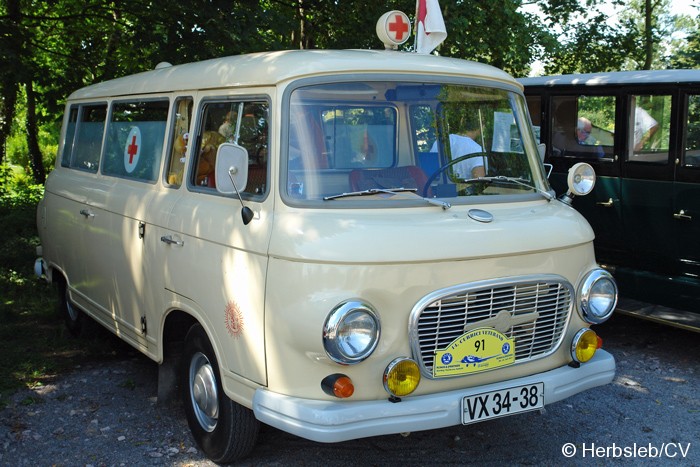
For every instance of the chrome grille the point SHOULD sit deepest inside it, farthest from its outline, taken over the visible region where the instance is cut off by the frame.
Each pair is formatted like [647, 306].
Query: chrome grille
[531, 310]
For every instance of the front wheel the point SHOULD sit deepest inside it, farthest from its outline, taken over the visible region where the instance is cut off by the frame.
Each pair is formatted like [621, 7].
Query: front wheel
[77, 322]
[224, 430]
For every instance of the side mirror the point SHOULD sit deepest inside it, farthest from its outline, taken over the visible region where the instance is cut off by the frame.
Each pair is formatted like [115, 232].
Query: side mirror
[231, 169]
[231, 174]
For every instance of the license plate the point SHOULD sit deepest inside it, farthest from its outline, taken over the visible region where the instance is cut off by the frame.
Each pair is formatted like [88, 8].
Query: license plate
[501, 403]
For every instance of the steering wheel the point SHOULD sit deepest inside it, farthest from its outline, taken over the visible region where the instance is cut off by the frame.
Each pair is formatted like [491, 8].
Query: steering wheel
[432, 178]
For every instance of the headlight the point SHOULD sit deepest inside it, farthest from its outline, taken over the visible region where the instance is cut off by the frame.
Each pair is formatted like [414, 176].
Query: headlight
[351, 332]
[597, 296]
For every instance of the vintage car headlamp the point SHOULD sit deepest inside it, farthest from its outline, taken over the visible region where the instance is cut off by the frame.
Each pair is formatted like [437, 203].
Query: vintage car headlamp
[584, 345]
[351, 332]
[581, 179]
[597, 296]
[401, 377]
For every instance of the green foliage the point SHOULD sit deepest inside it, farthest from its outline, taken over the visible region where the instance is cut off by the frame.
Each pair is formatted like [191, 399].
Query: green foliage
[17, 188]
[33, 344]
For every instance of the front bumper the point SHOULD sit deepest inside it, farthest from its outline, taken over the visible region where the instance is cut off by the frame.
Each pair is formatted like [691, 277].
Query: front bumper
[330, 421]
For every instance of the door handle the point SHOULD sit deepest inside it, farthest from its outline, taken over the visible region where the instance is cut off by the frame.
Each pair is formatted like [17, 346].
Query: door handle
[682, 216]
[606, 204]
[171, 241]
[87, 213]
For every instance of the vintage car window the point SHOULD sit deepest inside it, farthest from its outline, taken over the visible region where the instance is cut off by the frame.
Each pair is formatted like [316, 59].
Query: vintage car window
[84, 133]
[583, 126]
[180, 137]
[345, 138]
[135, 135]
[691, 156]
[243, 123]
[649, 129]
[534, 105]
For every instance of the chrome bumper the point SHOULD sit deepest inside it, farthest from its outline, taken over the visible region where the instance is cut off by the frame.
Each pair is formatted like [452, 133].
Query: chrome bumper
[330, 421]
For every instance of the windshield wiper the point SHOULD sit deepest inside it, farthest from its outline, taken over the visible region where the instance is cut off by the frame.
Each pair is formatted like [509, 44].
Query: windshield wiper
[517, 181]
[371, 191]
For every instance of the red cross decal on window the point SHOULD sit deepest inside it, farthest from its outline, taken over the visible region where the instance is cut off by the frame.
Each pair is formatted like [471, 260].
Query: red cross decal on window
[132, 149]
[398, 27]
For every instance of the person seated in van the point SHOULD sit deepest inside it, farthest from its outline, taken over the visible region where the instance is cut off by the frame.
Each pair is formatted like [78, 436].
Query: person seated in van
[463, 142]
[584, 137]
[207, 158]
[226, 129]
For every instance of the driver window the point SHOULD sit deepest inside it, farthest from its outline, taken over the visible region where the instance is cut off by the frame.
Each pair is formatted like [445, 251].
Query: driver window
[242, 123]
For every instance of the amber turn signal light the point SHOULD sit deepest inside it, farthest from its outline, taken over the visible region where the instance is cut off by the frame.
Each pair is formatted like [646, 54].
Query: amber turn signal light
[338, 385]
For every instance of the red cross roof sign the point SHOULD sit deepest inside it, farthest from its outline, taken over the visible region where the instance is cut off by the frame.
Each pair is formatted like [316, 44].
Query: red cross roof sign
[393, 29]
[132, 149]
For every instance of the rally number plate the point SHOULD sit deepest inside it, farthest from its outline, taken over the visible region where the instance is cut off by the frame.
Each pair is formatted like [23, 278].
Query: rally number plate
[501, 403]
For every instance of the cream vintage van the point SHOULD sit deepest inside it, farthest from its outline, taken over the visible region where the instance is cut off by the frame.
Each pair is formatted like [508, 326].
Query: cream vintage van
[339, 244]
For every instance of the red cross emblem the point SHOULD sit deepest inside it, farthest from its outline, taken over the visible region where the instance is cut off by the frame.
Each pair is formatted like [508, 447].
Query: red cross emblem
[398, 28]
[132, 149]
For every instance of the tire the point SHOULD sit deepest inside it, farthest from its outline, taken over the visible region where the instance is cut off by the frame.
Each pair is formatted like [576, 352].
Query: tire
[225, 430]
[76, 321]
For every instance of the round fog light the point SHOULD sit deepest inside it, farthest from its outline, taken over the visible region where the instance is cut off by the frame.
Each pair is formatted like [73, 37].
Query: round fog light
[401, 377]
[584, 345]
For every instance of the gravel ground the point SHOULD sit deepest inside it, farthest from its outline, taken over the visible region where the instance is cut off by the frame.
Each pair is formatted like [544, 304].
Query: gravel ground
[105, 413]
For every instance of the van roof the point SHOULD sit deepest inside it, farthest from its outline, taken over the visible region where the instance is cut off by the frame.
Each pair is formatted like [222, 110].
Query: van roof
[270, 68]
[615, 78]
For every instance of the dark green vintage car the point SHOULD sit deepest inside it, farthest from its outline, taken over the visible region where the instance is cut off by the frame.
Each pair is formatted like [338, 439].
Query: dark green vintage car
[640, 130]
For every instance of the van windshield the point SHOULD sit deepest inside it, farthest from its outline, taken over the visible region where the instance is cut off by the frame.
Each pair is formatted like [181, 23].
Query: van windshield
[368, 141]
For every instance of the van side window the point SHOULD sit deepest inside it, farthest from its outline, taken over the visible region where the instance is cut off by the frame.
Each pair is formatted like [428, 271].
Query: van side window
[692, 136]
[135, 140]
[583, 126]
[182, 115]
[649, 128]
[243, 123]
[83, 141]
[69, 137]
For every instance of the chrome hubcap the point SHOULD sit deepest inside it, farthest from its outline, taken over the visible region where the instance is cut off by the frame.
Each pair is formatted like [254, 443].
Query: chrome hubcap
[72, 312]
[203, 393]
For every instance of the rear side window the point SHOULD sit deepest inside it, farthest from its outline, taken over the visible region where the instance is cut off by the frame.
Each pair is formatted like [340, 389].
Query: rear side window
[650, 128]
[83, 140]
[180, 137]
[135, 135]
[692, 133]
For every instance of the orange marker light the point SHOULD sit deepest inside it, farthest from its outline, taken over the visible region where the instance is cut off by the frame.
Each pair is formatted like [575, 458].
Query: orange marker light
[338, 385]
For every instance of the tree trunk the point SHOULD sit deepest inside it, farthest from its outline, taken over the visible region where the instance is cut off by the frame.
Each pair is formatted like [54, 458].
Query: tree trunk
[7, 114]
[36, 160]
[648, 35]
[12, 53]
